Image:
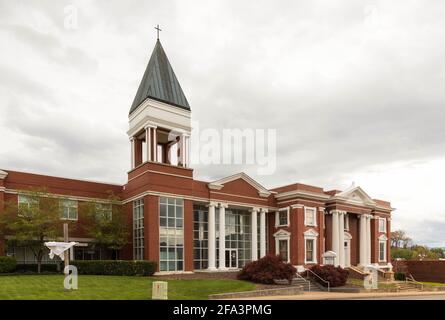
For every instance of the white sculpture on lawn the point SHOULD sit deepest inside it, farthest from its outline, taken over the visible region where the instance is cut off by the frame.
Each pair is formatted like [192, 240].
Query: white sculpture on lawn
[60, 249]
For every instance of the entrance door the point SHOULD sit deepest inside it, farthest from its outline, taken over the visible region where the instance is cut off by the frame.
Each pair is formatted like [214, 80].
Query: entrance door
[347, 253]
[232, 258]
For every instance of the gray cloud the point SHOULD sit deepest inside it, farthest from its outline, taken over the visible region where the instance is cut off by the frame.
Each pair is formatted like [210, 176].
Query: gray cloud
[348, 85]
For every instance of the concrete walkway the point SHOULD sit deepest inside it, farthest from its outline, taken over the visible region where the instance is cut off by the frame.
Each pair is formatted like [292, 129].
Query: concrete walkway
[349, 296]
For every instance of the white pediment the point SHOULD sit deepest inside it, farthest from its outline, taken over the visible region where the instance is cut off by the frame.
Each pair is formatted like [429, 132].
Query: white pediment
[311, 233]
[355, 195]
[219, 184]
[348, 236]
[383, 237]
[281, 234]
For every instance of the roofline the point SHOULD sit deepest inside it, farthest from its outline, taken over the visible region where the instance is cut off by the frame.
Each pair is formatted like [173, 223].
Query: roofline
[67, 178]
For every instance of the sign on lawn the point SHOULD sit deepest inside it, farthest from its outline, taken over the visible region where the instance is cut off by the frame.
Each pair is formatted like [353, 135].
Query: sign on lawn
[159, 290]
[371, 279]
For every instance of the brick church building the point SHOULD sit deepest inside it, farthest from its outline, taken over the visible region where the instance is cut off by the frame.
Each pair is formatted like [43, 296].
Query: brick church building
[187, 225]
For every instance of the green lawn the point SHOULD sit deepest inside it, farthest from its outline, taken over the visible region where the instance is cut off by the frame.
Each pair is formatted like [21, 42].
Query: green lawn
[50, 287]
[433, 284]
[382, 285]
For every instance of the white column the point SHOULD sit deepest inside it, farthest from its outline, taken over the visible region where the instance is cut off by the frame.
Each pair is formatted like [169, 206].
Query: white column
[222, 236]
[363, 250]
[187, 151]
[148, 142]
[183, 155]
[341, 239]
[133, 156]
[254, 226]
[335, 236]
[155, 144]
[263, 233]
[368, 238]
[212, 237]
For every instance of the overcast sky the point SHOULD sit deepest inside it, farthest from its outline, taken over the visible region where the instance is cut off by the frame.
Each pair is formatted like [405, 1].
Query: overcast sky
[355, 89]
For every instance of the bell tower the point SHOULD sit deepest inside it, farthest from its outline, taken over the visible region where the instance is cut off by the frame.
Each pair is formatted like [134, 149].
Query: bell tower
[160, 116]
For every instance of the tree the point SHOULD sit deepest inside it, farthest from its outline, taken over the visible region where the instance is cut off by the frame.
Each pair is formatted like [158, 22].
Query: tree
[399, 239]
[105, 223]
[439, 252]
[33, 222]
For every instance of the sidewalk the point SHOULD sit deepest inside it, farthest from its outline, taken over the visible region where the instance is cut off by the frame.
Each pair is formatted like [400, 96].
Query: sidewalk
[346, 296]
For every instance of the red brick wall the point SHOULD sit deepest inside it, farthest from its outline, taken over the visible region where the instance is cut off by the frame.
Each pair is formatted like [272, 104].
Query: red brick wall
[430, 271]
[151, 221]
[188, 235]
[2, 202]
[353, 230]
[374, 240]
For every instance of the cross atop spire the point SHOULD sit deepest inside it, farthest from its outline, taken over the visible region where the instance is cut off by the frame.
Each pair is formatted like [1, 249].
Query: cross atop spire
[158, 29]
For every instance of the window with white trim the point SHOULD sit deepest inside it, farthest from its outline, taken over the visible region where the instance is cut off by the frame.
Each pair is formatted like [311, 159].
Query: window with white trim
[282, 217]
[283, 249]
[26, 203]
[382, 251]
[310, 216]
[382, 225]
[310, 251]
[68, 210]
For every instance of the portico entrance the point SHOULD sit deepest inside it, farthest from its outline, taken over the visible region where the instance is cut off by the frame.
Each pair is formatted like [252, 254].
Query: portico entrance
[232, 258]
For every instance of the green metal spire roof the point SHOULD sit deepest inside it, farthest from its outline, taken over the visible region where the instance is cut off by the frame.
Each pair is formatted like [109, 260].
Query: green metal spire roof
[159, 82]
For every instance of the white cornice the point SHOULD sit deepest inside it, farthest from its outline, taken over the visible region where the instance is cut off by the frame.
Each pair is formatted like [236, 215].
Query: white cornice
[303, 194]
[65, 197]
[3, 174]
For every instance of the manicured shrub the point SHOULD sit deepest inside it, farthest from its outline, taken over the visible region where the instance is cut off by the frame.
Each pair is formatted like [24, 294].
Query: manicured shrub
[267, 269]
[115, 267]
[400, 276]
[336, 276]
[32, 268]
[7, 264]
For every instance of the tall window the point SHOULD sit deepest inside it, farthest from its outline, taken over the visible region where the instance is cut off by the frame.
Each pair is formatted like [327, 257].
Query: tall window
[310, 251]
[200, 237]
[310, 217]
[382, 251]
[138, 229]
[382, 225]
[283, 249]
[68, 210]
[104, 210]
[171, 232]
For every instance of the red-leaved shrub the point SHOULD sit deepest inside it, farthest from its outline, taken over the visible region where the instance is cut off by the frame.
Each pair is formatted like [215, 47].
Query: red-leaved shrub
[267, 269]
[336, 276]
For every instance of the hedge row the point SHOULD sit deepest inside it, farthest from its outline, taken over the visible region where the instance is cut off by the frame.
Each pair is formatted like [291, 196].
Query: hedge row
[7, 264]
[115, 267]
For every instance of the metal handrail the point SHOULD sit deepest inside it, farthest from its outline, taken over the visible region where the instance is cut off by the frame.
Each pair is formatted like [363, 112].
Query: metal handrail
[325, 281]
[305, 280]
[410, 278]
